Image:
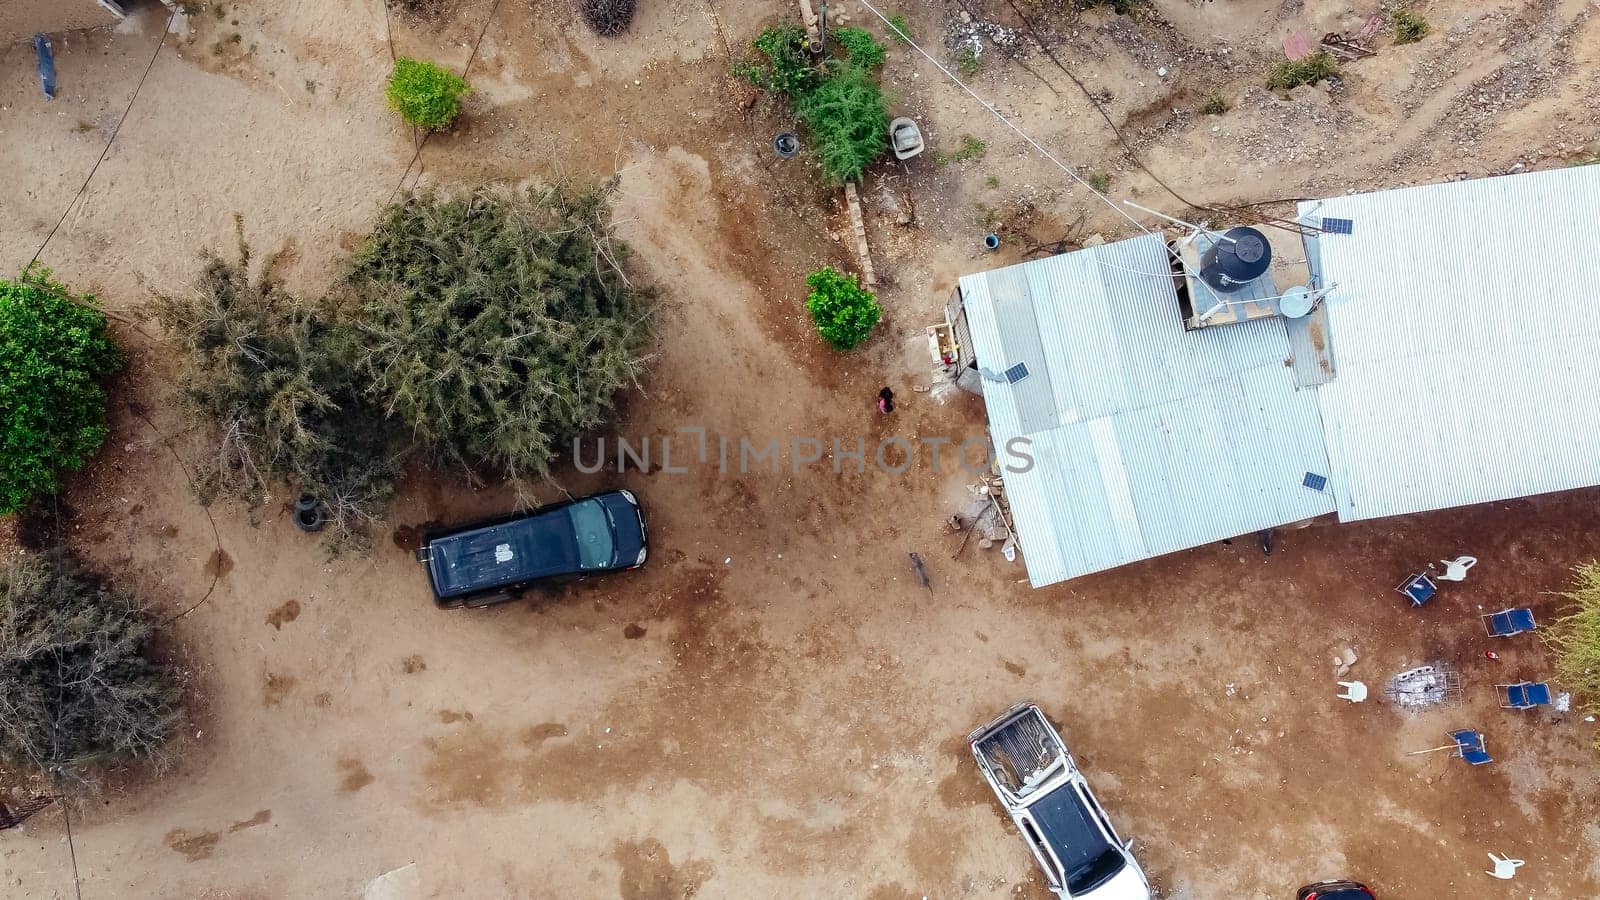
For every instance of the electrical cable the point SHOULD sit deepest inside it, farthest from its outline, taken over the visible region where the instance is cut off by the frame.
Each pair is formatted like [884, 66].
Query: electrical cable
[1006, 120]
[109, 141]
[464, 70]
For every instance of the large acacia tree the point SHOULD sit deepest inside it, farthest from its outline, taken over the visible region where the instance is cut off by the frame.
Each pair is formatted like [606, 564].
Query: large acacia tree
[499, 323]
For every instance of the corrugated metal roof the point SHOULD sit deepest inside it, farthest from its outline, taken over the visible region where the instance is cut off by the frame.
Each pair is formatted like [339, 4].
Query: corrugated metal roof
[1465, 331]
[1146, 439]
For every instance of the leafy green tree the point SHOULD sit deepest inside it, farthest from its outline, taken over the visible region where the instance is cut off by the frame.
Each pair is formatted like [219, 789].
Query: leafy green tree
[843, 312]
[55, 355]
[424, 94]
[849, 121]
[275, 381]
[77, 684]
[860, 48]
[497, 324]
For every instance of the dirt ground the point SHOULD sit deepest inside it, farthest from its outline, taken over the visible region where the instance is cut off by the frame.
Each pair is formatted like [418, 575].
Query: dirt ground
[773, 706]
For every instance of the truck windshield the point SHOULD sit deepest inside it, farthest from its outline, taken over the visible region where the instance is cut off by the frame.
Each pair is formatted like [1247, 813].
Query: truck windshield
[1088, 859]
[591, 526]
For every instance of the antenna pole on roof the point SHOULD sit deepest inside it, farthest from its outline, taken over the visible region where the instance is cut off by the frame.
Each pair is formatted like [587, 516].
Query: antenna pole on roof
[1176, 221]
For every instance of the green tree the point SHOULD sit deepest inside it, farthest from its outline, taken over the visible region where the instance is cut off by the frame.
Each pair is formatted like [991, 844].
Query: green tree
[77, 684]
[843, 312]
[497, 323]
[849, 121]
[424, 94]
[55, 355]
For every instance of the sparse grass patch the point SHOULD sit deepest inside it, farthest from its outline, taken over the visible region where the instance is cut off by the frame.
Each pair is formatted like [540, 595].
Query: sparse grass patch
[1575, 638]
[968, 63]
[904, 34]
[1100, 181]
[1214, 104]
[992, 181]
[1291, 73]
[971, 148]
[1408, 26]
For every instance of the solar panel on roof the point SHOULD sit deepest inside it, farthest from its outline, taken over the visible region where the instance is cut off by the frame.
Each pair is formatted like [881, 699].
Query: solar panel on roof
[1338, 226]
[1016, 373]
[1314, 481]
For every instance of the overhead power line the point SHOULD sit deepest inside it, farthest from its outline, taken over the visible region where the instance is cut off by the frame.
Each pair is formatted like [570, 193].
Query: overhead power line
[165, 28]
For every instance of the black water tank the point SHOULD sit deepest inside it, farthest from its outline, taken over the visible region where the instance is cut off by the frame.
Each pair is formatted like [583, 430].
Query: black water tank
[1239, 257]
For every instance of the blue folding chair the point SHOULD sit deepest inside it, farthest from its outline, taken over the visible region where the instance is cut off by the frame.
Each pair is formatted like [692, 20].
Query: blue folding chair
[1508, 622]
[1524, 694]
[1469, 746]
[1419, 588]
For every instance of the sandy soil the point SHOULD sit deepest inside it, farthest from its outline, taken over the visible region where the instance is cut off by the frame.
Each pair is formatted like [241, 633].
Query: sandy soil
[773, 707]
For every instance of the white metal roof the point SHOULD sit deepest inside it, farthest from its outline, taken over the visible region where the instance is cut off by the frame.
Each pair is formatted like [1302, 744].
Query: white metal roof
[1146, 439]
[1464, 367]
[1468, 342]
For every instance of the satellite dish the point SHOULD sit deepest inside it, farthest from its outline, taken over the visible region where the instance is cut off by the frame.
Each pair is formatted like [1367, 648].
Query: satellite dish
[1296, 303]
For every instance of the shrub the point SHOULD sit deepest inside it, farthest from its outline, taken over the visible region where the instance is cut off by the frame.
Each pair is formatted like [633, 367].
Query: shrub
[499, 323]
[1291, 73]
[843, 312]
[273, 380]
[77, 686]
[849, 121]
[971, 148]
[1408, 26]
[967, 61]
[900, 30]
[54, 355]
[860, 48]
[786, 69]
[608, 17]
[424, 94]
[1120, 7]
[1214, 104]
[1575, 638]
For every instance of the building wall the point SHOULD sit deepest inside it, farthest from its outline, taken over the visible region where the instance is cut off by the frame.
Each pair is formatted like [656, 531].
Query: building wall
[20, 20]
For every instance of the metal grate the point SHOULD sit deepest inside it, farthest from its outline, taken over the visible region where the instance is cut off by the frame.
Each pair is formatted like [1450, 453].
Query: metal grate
[1016, 373]
[1315, 482]
[1338, 226]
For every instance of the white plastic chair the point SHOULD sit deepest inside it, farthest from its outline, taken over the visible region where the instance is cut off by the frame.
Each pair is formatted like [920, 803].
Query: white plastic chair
[1354, 691]
[1456, 569]
[1504, 869]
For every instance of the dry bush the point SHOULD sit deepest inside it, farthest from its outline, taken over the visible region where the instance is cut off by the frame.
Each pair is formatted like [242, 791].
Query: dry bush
[77, 686]
[608, 17]
[273, 380]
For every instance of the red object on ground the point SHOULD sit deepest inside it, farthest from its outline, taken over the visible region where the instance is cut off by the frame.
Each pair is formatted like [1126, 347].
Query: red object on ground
[1490, 654]
[1297, 45]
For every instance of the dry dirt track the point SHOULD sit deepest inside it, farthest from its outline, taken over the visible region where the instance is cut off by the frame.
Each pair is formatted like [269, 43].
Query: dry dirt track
[772, 707]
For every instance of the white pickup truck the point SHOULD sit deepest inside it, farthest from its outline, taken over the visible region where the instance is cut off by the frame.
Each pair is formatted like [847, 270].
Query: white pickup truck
[1030, 770]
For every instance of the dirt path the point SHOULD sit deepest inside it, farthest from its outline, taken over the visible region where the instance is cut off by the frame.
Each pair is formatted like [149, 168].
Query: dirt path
[773, 707]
